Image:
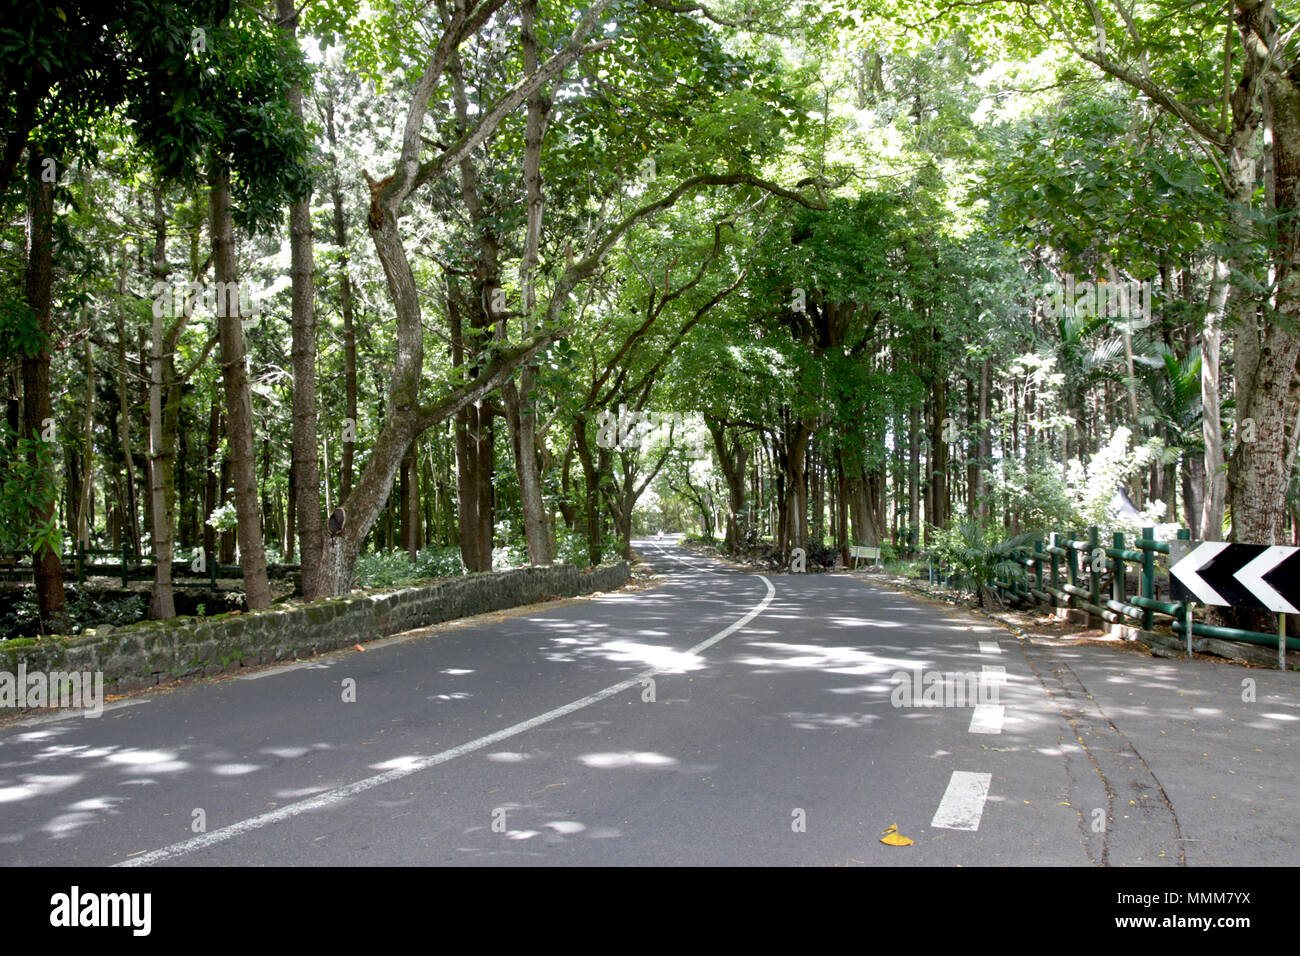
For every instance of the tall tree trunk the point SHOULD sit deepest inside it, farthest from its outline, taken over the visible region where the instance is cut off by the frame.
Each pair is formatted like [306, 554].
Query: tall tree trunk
[305, 462]
[471, 497]
[520, 402]
[1266, 349]
[162, 494]
[732, 459]
[914, 476]
[1214, 478]
[842, 512]
[239, 407]
[938, 495]
[817, 530]
[38, 291]
[346, 302]
[290, 518]
[211, 470]
[131, 526]
[796, 456]
[591, 502]
[85, 497]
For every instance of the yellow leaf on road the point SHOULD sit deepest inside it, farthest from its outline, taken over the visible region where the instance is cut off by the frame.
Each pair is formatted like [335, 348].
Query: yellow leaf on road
[893, 838]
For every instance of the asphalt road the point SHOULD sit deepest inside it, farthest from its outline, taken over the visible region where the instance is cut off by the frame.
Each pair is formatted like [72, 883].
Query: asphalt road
[720, 718]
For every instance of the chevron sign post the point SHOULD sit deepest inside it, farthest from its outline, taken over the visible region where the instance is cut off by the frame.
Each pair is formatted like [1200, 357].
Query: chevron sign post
[1261, 577]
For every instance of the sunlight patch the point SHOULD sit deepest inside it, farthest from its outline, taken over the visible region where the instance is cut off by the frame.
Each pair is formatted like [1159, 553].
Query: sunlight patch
[38, 785]
[661, 658]
[627, 758]
[235, 769]
[506, 756]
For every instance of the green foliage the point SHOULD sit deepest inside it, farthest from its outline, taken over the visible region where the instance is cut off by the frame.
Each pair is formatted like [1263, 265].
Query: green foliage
[223, 101]
[20, 328]
[1093, 486]
[571, 548]
[86, 608]
[980, 554]
[384, 569]
[224, 517]
[1097, 175]
[1035, 488]
[25, 491]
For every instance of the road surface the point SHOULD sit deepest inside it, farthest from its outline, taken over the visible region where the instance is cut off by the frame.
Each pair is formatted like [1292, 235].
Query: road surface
[719, 718]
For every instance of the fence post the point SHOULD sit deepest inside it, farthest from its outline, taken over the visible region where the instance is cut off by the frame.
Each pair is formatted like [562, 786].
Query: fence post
[212, 569]
[1185, 534]
[1056, 573]
[1038, 566]
[1148, 577]
[1094, 575]
[1119, 573]
[1071, 569]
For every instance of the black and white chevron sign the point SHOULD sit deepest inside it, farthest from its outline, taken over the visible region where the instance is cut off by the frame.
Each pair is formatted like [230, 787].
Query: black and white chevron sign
[1263, 577]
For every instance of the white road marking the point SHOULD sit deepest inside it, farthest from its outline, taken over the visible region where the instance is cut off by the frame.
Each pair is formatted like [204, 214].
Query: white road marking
[990, 647]
[987, 719]
[693, 567]
[330, 797]
[963, 802]
[284, 669]
[70, 713]
[993, 674]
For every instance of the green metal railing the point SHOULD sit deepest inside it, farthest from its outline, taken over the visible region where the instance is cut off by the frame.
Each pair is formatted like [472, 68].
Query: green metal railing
[129, 567]
[1068, 571]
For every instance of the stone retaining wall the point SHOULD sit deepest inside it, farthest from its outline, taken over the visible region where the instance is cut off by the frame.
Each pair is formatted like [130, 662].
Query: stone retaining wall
[158, 652]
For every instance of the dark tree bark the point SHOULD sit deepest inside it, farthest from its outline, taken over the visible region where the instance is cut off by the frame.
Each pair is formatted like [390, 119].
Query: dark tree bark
[346, 304]
[239, 407]
[733, 458]
[38, 290]
[306, 468]
[520, 404]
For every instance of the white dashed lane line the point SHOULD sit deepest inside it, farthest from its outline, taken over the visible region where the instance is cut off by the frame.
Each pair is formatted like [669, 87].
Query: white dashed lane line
[987, 719]
[963, 802]
[990, 647]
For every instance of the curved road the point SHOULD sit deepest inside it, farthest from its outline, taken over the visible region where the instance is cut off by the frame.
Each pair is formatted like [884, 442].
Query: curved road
[719, 718]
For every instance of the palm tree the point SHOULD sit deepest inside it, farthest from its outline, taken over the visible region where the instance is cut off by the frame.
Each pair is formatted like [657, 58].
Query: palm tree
[1173, 386]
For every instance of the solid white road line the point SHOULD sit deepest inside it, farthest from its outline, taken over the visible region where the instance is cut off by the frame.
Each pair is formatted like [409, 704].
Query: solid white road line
[331, 797]
[987, 719]
[963, 802]
[990, 647]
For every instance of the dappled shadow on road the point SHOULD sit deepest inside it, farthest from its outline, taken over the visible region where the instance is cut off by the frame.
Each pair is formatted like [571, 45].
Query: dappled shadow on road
[24, 783]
